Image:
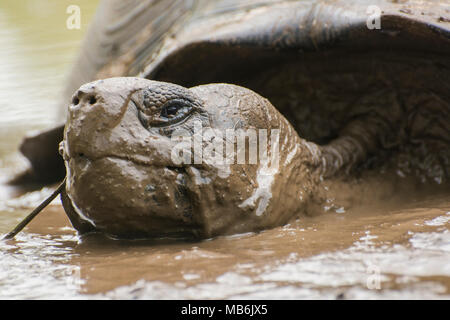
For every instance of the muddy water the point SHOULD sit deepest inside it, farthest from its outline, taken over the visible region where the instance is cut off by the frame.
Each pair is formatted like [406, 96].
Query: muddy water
[37, 50]
[390, 251]
[390, 239]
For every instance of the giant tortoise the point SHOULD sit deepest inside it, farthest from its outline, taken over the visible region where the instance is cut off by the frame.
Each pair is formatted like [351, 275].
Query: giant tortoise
[345, 85]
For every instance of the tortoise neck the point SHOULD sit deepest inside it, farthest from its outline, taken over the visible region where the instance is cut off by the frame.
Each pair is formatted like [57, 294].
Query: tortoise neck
[342, 155]
[356, 142]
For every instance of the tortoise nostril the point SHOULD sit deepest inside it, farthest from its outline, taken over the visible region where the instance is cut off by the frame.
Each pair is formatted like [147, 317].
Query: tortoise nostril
[92, 100]
[75, 101]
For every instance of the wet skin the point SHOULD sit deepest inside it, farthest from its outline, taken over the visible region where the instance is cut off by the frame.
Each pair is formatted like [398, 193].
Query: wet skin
[122, 180]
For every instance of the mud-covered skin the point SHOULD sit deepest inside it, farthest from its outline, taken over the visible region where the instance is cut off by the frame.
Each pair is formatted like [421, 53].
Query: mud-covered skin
[121, 179]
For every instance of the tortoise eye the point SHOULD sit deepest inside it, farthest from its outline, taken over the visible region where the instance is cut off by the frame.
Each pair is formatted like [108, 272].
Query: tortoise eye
[171, 112]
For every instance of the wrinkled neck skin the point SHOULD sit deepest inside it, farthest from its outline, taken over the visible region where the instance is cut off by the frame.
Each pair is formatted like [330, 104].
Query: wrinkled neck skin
[123, 180]
[243, 197]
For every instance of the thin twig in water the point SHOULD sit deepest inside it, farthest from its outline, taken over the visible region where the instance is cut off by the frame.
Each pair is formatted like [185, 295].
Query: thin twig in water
[35, 212]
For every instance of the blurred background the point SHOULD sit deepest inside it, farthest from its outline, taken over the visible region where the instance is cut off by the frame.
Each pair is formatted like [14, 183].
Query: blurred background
[37, 50]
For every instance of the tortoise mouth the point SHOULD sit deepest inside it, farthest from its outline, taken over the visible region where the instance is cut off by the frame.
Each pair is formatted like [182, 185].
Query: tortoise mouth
[128, 198]
[140, 161]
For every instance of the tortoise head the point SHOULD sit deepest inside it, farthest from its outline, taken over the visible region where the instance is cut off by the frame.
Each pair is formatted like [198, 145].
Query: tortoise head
[147, 158]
